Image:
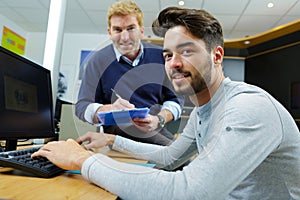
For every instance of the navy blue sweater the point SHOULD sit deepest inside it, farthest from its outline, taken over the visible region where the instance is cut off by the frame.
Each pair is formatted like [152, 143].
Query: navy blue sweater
[145, 85]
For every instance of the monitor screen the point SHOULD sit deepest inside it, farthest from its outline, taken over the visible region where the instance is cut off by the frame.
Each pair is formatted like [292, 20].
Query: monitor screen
[26, 104]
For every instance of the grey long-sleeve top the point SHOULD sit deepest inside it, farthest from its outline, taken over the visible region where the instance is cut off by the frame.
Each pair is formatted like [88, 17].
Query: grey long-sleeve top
[248, 145]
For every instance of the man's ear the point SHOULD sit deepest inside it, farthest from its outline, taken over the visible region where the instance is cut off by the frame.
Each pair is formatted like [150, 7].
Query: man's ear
[142, 29]
[219, 55]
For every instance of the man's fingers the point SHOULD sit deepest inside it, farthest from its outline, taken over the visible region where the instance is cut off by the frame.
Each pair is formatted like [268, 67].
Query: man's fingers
[83, 138]
[88, 146]
[41, 152]
[125, 103]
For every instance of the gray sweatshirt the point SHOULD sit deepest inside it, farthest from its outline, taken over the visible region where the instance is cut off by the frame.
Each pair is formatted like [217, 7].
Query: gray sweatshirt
[248, 147]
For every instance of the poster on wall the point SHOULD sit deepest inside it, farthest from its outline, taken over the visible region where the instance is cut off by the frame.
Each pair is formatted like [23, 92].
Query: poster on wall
[13, 41]
[83, 55]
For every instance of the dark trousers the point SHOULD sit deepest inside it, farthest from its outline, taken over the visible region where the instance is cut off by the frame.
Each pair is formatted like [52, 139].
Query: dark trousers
[160, 136]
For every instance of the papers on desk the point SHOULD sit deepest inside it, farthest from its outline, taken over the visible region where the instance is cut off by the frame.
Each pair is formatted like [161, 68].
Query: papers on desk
[121, 116]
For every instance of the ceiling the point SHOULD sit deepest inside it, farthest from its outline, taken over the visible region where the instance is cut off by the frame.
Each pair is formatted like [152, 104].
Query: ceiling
[239, 18]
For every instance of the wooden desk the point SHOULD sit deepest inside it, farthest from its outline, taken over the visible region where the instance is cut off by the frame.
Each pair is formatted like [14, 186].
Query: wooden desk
[66, 186]
[17, 185]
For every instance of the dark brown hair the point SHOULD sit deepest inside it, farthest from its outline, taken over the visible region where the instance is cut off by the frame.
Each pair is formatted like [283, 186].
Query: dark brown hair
[199, 23]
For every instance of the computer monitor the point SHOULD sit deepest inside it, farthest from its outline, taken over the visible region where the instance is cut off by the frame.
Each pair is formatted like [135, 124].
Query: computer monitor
[26, 104]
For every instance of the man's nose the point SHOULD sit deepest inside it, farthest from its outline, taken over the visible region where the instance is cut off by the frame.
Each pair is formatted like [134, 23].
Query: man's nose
[124, 35]
[176, 61]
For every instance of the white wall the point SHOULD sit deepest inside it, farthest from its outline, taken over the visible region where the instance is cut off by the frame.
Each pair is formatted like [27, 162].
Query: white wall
[73, 44]
[35, 46]
[234, 68]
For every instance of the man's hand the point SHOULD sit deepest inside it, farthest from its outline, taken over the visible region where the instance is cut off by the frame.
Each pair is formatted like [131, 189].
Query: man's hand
[119, 104]
[122, 104]
[151, 123]
[67, 155]
[96, 140]
[146, 124]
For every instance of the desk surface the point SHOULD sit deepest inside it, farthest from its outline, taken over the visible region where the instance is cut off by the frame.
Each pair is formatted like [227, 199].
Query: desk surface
[17, 185]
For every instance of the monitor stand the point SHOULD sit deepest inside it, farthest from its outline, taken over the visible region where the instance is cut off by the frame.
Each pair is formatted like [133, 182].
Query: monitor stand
[11, 144]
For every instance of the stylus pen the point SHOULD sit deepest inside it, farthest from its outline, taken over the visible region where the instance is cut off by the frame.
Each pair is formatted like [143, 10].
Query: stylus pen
[116, 94]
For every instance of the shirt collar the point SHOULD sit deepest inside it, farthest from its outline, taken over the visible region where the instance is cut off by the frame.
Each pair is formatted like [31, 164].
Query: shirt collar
[135, 62]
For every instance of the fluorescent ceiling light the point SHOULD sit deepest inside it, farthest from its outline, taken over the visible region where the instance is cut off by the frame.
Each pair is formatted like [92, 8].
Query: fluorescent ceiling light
[181, 3]
[270, 5]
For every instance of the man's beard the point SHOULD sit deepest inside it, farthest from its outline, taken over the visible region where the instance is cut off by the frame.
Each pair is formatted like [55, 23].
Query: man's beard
[199, 81]
[198, 85]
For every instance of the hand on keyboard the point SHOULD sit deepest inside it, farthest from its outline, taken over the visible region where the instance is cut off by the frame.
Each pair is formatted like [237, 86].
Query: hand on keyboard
[21, 159]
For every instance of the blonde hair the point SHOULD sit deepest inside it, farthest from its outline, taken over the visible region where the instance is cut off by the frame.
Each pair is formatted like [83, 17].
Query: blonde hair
[125, 8]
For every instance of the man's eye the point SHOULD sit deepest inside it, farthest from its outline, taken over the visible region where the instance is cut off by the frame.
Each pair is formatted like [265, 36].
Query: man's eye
[130, 29]
[117, 30]
[167, 56]
[186, 51]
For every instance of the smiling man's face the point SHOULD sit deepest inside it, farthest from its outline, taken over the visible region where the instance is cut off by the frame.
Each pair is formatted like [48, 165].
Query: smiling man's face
[126, 34]
[188, 64]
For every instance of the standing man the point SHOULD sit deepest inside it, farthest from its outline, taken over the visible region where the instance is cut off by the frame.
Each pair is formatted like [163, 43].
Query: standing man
[248, 143]
[135, 70]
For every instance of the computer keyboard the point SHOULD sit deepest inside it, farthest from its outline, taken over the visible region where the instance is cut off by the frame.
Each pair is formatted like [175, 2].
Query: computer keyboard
[21, 160]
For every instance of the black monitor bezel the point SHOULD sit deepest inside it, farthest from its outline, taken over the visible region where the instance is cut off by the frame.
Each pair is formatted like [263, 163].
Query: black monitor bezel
[11, 137]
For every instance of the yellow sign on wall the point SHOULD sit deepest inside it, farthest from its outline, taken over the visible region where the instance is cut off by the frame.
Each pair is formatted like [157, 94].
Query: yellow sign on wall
[12, 41]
